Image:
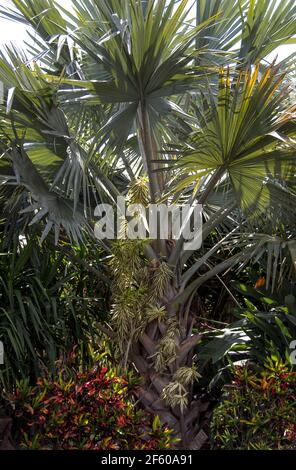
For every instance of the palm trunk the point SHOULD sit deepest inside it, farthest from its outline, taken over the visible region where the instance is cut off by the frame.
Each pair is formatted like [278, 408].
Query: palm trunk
[181, 413]
[161, 347]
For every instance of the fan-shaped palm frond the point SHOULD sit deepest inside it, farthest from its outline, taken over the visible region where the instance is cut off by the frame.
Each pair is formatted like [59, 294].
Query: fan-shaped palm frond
[246, 131]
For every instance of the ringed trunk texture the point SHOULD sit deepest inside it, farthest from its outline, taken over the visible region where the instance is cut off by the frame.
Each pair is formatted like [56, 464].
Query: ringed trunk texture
[187, 420]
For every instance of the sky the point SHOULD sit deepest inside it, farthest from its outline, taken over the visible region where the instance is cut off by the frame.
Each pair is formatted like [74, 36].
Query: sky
[16, 33]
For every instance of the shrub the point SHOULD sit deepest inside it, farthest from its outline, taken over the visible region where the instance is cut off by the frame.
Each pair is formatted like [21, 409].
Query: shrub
[255, 336]
[47, 305]
[258, 411]
[89, 410]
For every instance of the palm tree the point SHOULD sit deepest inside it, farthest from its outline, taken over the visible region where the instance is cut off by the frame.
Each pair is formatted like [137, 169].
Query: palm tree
[155, 101]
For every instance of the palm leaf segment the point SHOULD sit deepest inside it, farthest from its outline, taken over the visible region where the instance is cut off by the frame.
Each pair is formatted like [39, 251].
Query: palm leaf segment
[147, 52]
[145, 58]
[36, 139]
[246, 131]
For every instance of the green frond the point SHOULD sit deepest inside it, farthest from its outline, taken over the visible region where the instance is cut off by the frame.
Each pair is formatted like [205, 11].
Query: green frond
[155, 313]
[176, 395]
[245, 132]
[167, 347]
[138, 192]
[186, 375]
[161, 277]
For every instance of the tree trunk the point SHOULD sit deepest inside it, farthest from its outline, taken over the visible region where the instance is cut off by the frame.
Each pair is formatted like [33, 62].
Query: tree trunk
[157, 338]
[153, 334]
[179, 409]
